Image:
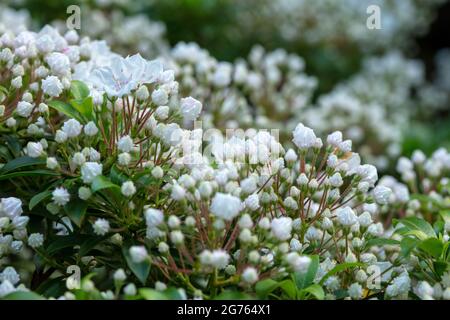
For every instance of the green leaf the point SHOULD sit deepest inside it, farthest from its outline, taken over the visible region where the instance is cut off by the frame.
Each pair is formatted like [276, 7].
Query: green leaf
[117, 176]
[38, 198]
[76, 210]
[66, 108]
[289, 288]
[90, 243]
[102, 182]
[12, 140]
[266, 286]
[85, 107]
[151, 294]
[33, 173]
[233, 295]
[23, 295]
[339, 268]
[432, 246]
[79, 90]
[303, 280]
[417, 224]
[445, 215]
[381, 242]
[315, 290]
[20, 163]
[58, 243]
[407, 245]
[140, 270]
[440, 267]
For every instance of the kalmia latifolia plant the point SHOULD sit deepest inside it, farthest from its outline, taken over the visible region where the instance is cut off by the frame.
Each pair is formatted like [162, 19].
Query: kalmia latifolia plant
[107, 177]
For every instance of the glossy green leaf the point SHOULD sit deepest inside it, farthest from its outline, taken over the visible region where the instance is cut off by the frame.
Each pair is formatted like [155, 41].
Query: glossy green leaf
[79, 90]
[102, 182]
[315, 290]
[76, 210]
[407, 245]
[305, 279]
[140, 270]
[266, 286]
[66, 109]
[381, 242]
[85, 107]
[417, 224]
[339, 268]
[21, 162]
[151, 294]
[23, 295]
[233, 295]
[38, 198]
[33, 173]
[432, 246]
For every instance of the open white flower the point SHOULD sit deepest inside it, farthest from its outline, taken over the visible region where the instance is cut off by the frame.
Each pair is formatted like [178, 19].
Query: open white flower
[125, 74]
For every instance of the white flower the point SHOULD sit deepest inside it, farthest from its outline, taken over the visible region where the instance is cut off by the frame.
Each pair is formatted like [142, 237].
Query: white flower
[355, 291]
[178, 193]
[365, 219]
[120, 275]
[51, 86]
[160, 97]
[45, 43]
[59, 63]
[176, 237]
[190, 108]
[252, 202]
[142, 93]
[124, 159]
[157, 172]
[24, 109]
[128, 188]
[219, 259]
[250, 275]
[125, 144]
[346, 216]
[304, 137]
[10, 274]
[335, 138]
[290, 156]
[125, 74]
[78, 159]
[130, 289]
[60, 136]
[153, 217]
[90, 170]
[11, 207]
[282, 228]
[336, 180]
[101, 227]
[382, 194]
[90, 129]
[368, 173]
[6, 288]
[35, 240]
[84, 193]
[60, 196]
[72, 128]
[225, 206]
[138, 254]
[34, 149]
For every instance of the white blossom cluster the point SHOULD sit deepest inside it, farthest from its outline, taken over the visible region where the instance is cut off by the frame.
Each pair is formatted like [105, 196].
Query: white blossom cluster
[339, 23]
[266, 90]
[423, 189]
[373, 107]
